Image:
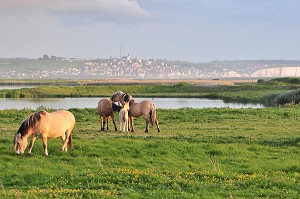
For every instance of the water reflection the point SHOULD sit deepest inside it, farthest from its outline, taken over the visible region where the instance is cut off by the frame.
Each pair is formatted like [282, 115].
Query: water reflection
[165, 103]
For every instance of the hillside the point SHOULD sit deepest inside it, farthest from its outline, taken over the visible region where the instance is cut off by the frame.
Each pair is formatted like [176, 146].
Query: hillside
[62, 68]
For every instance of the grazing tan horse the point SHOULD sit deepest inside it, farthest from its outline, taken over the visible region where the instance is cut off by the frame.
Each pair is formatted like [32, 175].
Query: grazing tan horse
[106, 110]
[48, 125]
[146, 109]
[123, 116]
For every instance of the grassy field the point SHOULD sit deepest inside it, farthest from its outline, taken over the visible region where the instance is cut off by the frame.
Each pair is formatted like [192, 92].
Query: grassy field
[200, 153]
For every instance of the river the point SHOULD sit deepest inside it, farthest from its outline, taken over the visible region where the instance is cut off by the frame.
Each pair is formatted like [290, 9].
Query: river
[164, 103]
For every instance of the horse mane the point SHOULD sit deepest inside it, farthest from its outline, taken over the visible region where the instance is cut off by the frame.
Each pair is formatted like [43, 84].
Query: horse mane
[30, 122]
[118, 93]
[125, 96]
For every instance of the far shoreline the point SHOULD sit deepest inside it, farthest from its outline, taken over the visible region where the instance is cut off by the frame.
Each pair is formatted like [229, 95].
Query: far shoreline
[101, 82]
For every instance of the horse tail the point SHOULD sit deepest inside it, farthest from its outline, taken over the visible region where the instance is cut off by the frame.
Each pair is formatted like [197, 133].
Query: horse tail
[153, 114]
[70, 142]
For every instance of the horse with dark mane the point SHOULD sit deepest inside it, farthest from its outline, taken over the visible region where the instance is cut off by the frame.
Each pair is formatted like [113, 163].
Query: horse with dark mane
[121, 97]
[106, 109]
[48, 125]
[145, 108]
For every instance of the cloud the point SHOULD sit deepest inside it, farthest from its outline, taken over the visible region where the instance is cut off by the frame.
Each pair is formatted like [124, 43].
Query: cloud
[77, 11]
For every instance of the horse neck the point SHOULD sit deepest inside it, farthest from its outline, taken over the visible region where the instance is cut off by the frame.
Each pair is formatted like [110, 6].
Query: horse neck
[131, 102]
[28, 126]
[126, 106]
[26, 133]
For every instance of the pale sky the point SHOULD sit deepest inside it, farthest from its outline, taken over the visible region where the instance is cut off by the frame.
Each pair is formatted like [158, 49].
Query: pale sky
[187, 30]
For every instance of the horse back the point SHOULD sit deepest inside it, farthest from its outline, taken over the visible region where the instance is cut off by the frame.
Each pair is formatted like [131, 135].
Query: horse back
[105, 107]
[142, 108]
[57, 123]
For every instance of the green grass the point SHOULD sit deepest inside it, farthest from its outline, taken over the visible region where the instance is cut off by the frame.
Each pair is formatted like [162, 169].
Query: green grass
[200, 153]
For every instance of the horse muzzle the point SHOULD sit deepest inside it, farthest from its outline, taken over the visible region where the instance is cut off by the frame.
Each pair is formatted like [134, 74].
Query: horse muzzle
[19, 152]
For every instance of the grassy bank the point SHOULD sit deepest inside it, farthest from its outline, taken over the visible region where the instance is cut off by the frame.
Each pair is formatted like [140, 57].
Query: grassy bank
[237, 93]
[200, 153]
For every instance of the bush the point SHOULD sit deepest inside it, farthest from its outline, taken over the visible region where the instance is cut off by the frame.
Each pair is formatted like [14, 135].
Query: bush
[261, 81]
[271, 98]
[181, 84]
[291, 97]
[288, 80]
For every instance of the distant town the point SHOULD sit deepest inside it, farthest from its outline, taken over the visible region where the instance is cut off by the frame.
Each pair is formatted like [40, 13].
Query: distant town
[53, 67]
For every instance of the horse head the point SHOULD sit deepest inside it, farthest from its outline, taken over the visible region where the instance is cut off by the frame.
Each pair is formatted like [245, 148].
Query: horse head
[20, 138]
[121, 97]
[20, 143]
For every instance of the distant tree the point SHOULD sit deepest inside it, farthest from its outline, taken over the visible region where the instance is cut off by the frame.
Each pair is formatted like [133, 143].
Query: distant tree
[289, 98]
[261, 81]
[45, 57]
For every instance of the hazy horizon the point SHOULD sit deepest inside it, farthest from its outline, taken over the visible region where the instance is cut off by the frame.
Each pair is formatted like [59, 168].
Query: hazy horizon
[191, 30]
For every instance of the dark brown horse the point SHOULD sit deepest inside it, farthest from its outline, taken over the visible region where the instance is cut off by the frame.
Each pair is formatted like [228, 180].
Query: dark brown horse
[48, 125]
[106, 110]
[146, 109]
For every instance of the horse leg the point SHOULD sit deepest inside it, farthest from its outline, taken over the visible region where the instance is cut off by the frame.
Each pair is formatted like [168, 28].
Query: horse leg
[126, 126]
[146, 118]
[44, 138]
[131, 124]
[101, 124]
[104, 122]
[156, 122]
[147, 125]
[107, 120]
[121, 125]
[114, 122]
[33, 137]
[65, 139]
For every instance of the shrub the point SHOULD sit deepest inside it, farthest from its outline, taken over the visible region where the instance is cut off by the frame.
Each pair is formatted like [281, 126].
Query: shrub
[289, 80]
[261, 81]
[181, 84]
[271, 98]
[291, 97]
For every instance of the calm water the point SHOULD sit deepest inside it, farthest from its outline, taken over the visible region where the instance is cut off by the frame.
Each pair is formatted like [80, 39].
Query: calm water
[14, 87]
[166, 103]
